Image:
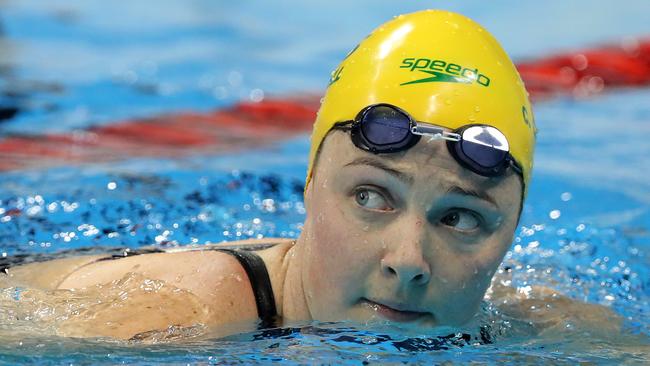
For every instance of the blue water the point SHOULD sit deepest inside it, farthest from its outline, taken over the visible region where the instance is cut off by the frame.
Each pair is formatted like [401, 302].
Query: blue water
[585, 229]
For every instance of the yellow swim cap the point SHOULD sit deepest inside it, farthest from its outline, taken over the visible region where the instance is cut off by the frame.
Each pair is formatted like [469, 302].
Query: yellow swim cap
[441, 68]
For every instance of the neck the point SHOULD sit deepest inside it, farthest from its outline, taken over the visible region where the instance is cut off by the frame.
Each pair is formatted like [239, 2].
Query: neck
[294, 303]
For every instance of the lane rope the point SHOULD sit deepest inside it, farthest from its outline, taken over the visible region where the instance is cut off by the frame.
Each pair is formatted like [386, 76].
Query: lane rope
[576, 74]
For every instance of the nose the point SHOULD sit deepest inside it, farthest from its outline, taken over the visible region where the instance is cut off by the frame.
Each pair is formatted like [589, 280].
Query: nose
[406, 263]
[406, 272]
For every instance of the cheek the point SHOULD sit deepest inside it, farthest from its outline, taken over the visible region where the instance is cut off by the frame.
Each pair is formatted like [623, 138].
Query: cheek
[336, 262]
[465, 277]
[471, 267]
[330, 241]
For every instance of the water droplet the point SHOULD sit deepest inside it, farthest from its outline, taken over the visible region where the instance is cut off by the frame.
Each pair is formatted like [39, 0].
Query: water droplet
[580, 62]
[566, 196]
[256, 95]
[555, 214]
[477, 109]
[235, 79]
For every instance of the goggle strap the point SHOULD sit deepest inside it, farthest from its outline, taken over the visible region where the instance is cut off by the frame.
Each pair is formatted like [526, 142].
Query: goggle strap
[515, 166]
[345, 125]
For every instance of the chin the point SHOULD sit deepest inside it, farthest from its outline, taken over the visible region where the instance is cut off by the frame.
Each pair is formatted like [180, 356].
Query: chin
[459, 317]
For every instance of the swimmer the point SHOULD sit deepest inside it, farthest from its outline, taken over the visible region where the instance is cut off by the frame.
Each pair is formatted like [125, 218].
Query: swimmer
[421, 155]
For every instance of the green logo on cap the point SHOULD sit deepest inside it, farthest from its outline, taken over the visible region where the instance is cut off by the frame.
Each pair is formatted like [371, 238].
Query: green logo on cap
[442, 71]
[336, 75]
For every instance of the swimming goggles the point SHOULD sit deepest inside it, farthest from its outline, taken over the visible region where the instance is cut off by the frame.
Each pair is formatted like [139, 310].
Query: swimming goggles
[385, 128]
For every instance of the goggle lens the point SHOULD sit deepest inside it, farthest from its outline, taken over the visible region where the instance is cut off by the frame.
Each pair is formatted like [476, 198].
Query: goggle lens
[384, 125]
[485, 146]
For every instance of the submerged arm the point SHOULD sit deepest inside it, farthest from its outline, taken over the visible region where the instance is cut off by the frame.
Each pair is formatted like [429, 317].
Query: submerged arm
[548, 310]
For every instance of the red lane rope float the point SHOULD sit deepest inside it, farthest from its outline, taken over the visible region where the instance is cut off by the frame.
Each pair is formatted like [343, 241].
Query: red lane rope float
[577, 74]
[590, 71]
[243, 125]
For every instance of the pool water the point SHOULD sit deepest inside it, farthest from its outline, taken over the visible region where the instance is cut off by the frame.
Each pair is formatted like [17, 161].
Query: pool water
[585, 228]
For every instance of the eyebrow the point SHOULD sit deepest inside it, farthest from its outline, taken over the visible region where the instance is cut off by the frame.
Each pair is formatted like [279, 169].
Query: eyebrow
[404, 177]
[472, 193]
[408, 179]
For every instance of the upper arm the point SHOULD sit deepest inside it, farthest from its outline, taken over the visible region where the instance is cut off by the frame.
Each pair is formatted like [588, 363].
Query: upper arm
[546, 308]
[48, 275]
[215, 280]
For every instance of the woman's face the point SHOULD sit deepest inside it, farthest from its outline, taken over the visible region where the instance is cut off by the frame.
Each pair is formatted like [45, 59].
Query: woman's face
[407, 237]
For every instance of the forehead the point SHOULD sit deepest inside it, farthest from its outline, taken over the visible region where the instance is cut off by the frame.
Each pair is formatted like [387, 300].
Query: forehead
[428, 163]
[427, 159]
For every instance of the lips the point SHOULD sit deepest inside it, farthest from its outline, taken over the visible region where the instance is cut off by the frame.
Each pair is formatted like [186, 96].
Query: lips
[394, 312]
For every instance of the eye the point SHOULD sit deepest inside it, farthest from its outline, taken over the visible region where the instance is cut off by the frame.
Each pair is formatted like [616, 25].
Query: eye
[371, 199]
[462, 220]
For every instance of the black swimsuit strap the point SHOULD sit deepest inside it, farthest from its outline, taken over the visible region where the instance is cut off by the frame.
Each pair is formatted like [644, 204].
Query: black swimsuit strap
[261, 283]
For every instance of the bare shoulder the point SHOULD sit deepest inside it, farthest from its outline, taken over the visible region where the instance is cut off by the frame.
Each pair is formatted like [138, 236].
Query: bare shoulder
[151, 292]
[48, 275]
[216, 277]
[202, 264]
[193, 285]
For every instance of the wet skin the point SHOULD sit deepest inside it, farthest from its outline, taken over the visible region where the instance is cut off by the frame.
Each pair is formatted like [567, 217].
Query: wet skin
[408, 237]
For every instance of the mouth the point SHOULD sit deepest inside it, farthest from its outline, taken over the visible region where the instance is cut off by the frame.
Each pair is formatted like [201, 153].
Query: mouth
[395, 312]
